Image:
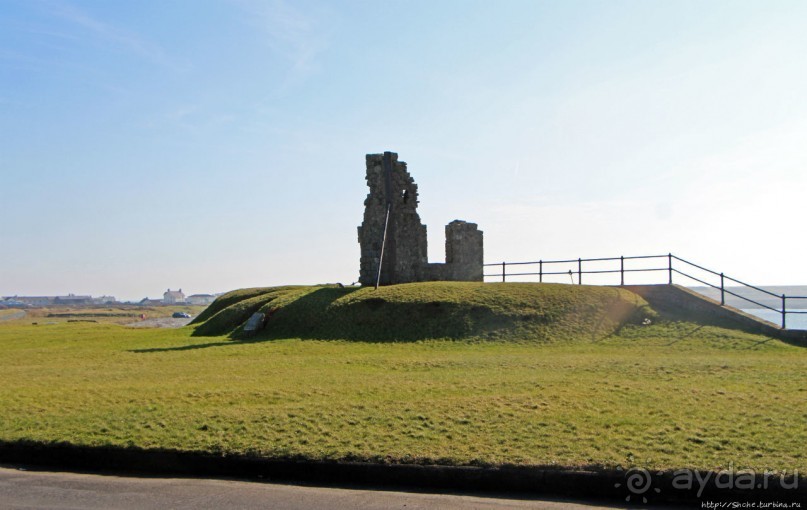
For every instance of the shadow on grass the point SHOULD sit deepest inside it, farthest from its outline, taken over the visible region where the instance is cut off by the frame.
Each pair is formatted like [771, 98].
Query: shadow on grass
[686, 335]
[314, 316]
[763, 342]
[182, 347]
[230, 319]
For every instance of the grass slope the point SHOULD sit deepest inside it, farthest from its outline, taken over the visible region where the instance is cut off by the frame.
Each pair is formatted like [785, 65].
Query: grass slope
[666, 395]
[420, 311]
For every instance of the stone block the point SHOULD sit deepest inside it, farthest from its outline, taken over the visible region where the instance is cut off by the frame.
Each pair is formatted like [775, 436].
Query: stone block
[255, 322]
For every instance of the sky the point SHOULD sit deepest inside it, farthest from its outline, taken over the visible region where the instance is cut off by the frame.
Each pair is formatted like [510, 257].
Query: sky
[211, 145]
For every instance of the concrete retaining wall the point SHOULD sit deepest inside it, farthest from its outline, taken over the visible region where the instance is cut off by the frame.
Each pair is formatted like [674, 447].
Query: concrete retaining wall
[676, 299]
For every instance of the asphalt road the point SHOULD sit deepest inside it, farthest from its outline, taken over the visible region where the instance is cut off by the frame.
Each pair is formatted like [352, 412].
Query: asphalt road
[61, 491]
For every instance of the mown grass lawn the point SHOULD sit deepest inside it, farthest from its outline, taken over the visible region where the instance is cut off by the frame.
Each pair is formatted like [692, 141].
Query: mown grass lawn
[667, 395]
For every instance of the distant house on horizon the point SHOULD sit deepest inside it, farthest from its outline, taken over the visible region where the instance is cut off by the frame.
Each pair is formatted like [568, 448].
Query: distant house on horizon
[68, 300]
[173, 297]
[72, 299]
[32, 300]
[201, 299]
[150, 302]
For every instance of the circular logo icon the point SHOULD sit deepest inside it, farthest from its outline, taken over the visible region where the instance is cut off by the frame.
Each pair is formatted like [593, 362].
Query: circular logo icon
[638, 482]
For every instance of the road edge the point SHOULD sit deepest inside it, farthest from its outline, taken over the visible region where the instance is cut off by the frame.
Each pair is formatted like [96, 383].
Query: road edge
[597, 484]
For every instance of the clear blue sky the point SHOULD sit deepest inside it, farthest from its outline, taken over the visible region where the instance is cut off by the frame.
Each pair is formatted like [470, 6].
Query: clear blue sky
[212, 145]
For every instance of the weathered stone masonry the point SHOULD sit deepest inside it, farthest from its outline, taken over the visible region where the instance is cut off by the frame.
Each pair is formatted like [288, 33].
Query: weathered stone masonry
[405, 254]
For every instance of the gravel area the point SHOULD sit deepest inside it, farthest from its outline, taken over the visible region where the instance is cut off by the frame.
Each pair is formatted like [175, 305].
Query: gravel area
[160, 322]
[12, 315]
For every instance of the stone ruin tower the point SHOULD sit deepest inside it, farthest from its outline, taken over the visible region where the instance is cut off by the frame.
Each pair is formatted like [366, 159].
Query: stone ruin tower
[405, 257]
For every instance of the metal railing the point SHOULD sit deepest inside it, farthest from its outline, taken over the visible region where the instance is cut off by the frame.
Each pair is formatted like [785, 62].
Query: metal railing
[671, 265]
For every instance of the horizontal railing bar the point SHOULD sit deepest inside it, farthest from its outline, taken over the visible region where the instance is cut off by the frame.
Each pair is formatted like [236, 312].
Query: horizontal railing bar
[695, 265]
[724, 276]
[603, 271]
[604, 259]
[570, 261]
[696, 279]
[597, 271]
[779, 310]
[536, 262]
[729, 292]
[795, 311]
[538, 274]
[753, 287]
[644, 257]
[555, 273]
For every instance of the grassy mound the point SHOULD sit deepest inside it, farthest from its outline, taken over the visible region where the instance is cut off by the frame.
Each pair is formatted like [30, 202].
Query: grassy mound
[418, 311]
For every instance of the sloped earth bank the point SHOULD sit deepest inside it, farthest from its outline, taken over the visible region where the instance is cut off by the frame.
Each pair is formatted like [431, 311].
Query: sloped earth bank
[420, 311]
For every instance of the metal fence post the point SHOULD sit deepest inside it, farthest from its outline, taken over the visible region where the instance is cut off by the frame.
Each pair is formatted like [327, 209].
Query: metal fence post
[579, 271]
[784, 311]
[540, 271]
[669, 267]
[622, 270]
[722, 291]
[383, 239]
[504, 274]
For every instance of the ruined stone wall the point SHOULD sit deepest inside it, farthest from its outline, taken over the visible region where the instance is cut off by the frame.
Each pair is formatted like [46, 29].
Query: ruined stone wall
[464, 254]
[405, 251]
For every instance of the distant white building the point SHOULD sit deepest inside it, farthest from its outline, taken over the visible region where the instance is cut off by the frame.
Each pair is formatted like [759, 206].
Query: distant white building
[173, 297]
[201, 299]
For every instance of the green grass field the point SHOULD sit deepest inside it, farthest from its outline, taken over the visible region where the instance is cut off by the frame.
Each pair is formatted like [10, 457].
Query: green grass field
[591, 386]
